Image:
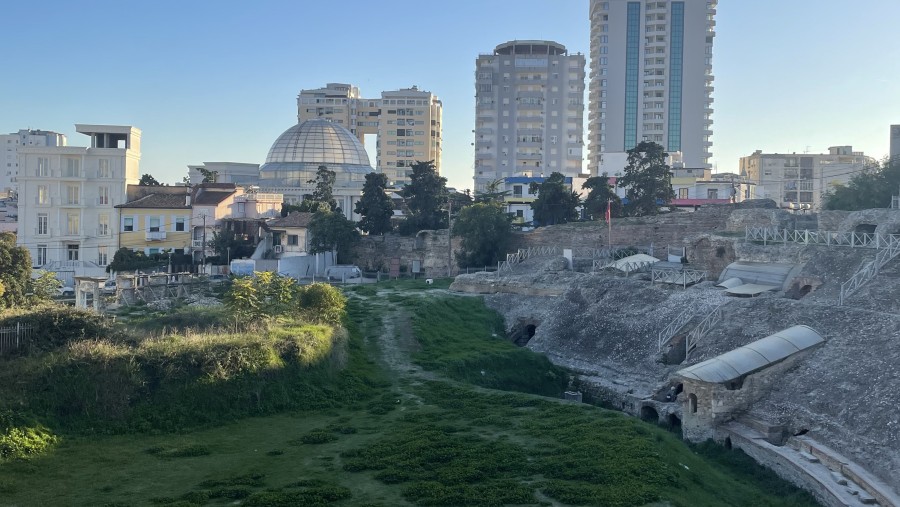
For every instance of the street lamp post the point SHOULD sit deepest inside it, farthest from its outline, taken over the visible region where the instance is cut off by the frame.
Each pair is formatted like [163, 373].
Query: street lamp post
[449, 238]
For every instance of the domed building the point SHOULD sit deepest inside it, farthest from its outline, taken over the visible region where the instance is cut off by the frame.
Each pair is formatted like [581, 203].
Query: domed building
[300, 150]
[297, 154]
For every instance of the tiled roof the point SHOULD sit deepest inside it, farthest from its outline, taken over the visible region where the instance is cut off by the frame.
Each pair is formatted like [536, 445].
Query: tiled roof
[209, 197]
[295, 219]
[158, 201]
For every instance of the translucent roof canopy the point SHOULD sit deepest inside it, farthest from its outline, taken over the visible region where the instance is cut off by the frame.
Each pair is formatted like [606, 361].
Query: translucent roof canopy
[318, 142]
[754, 356]
[300, 150]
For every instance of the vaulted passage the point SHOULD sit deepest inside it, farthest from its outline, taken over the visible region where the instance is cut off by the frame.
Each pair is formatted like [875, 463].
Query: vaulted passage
[649, 414]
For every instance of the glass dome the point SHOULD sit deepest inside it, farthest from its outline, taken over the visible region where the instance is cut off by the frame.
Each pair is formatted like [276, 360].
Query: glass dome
[300, 150]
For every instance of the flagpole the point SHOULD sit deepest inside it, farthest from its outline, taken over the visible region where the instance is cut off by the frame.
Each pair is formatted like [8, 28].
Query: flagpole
[609, 224]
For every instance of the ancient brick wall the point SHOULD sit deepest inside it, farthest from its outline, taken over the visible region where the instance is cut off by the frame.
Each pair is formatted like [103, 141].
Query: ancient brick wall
[374, 253]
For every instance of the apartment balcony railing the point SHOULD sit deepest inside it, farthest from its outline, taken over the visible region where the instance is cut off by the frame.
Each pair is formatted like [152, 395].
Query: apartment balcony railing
[155, 236]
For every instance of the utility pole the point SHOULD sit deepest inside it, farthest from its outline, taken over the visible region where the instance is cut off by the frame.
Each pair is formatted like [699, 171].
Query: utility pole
[449, 237]
[203, 246]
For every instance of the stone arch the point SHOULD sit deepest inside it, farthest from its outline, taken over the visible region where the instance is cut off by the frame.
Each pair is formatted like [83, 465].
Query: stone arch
[524, 331]
[673, 421]
[692, 403]
[649, 414]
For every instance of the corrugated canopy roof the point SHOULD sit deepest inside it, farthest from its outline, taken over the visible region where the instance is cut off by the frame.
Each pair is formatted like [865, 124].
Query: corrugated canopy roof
[754, 356]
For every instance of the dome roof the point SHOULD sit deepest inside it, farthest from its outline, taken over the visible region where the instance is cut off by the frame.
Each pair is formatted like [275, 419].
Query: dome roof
[318, 142]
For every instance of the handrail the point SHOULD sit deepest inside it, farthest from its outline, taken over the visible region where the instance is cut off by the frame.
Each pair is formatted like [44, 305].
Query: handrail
[669, 331]
[829, 238]
[714, 317]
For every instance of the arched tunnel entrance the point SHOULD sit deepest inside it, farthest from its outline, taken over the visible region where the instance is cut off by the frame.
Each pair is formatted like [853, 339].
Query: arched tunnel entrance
[523, 331]
[649, 414]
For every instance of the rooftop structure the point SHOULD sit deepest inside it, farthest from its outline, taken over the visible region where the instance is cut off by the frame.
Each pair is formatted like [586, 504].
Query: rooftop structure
[9, 146]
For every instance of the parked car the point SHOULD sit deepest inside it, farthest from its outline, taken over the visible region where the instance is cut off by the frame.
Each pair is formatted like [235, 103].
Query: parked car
[66, 291]
[218, 278]
[343, 273]
[109, 287]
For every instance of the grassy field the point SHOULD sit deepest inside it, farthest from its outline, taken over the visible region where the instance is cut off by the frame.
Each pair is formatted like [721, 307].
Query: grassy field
[389, 437]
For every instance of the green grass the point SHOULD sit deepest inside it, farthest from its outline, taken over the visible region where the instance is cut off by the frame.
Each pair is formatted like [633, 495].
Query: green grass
[466, 341]
[337, 432]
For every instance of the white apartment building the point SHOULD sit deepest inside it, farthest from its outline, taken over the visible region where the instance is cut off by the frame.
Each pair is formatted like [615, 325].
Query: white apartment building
[67, 194]
[529, 111]
[407, 123]
[238, 173]
[800, 181]
[9, 146]
[651, 80]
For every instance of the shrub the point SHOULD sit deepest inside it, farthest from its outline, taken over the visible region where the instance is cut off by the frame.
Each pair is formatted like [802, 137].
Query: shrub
[57, 326]
[321, 302]
[21, 440]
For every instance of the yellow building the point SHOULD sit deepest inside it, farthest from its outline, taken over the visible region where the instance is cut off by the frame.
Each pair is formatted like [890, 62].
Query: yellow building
[155, 219]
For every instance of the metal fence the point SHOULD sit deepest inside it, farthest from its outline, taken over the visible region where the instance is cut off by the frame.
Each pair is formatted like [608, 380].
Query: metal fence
[868, 272]
[14, 337]
[666, 335]
[683, 277]
[827, 238]
[703, 328]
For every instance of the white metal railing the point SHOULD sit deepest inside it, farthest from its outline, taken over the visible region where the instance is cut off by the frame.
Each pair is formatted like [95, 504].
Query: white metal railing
[14, 337]
[828, 238]
[666, 334]
[869, 271]
[696, 334]
[527, 253]
[895, 202]
[683, 277]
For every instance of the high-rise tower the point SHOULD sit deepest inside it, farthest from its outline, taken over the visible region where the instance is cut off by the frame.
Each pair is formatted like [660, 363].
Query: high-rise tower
[529, 101]
[651, 79]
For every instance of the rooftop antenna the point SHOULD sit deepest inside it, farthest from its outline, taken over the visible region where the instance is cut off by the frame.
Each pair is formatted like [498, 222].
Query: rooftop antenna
[807, 149]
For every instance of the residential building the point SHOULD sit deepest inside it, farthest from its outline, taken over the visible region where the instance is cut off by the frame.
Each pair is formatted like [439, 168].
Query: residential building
[217, 205]
[697, 187]
[801, 180]
[9, 146]
[407, 123]
[155, 219]
[67, 193]
[518, 195]
[9, 214]
[651, 80]
[895, 141]
[529, 111]
[288, 236]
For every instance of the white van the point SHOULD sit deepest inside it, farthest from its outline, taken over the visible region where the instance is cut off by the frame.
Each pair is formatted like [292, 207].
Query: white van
[343, 273]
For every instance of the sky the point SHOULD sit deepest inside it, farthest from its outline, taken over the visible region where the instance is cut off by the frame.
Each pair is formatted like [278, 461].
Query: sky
[217, 81]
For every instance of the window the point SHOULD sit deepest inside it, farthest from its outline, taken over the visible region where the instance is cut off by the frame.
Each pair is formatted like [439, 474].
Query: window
[517, 191]
[41, 255]
[102, 256]
[103, 170]
[712, 193]
[293, 240]
[520, 213]
[72, 194]
[72, 252]
[103, 225]
[103, 195]
[153, 224]
[71, 168]
[73, 222]
[43, 166]
[43, 197]
[683, 193]
[181, 223]
[128, 224]
[42, 221]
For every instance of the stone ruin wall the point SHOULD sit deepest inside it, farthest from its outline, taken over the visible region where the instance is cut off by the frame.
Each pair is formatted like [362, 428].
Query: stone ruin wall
[374, 253]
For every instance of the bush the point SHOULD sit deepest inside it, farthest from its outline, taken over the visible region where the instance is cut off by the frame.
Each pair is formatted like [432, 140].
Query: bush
[21, 440]
[53, 327]
[321, 302]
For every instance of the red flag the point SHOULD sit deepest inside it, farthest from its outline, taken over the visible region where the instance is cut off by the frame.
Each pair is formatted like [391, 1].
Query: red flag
[608, 211]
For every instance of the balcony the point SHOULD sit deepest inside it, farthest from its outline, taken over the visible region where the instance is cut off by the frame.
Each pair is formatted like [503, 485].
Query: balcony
[529, 156]
[69, 175]
[42, 232]
[104, 232]
[42, 203]
[197, 244]
[155, 236]
[100, 201]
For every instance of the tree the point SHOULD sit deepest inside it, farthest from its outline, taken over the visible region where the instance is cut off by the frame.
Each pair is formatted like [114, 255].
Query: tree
[601, 193]
[426, 196]
[330, 231]
[647, 180]
[871, 188]
[324, 192]
[375, 207]
[493, 192]
[15, 271]
[459, 200]
[227, 246]
[126, 259]
[485, 229]
[149, 181]
[208, 176]
[44, 286]
[556, 204]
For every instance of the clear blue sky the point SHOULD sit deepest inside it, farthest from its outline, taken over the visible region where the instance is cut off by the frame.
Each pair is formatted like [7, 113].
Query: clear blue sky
[217, 81]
